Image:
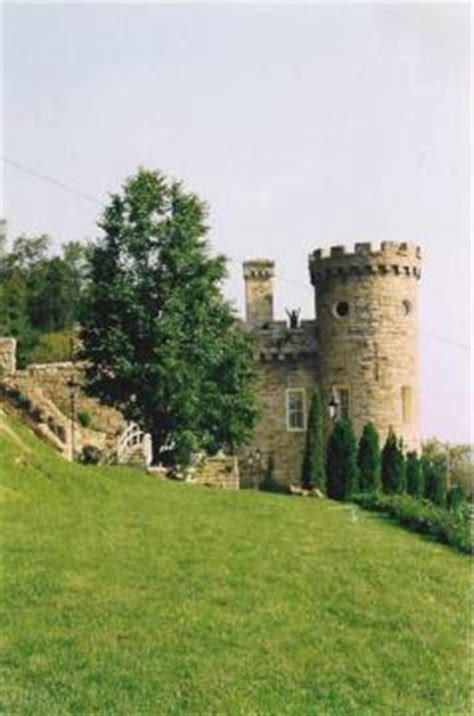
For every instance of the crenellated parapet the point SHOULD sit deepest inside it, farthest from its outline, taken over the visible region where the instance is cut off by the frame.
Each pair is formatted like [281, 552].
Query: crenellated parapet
[262, 269]
[278, 342]
[387, 258]
[258, 275]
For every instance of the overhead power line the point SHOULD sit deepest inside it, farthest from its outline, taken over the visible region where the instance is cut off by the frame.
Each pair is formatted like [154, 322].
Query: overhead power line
[441, 339]
[50, 180]
[88, 197]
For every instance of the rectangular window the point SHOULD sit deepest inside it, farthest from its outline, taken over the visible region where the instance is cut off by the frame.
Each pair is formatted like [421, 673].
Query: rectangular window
[406, 404]
[342, 397]
[295, 409]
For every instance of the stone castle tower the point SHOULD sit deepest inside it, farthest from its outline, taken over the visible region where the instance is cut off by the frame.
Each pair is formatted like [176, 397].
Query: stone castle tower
[361, 350]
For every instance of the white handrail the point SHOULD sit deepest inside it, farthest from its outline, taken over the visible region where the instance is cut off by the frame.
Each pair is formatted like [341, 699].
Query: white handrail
[131, 439]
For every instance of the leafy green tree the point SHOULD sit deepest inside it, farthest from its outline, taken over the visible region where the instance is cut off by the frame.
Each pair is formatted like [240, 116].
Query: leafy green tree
[341, 462]
[393, 465]
[435, 480]
[162, 344]
[313, 469]
[414, 475]
[458, 460]
[14, 318]
[368, 459]
[39, 293]
[28, 251]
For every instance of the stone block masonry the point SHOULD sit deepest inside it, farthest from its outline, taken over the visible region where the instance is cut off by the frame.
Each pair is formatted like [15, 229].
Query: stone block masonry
[7, 356]
[361, 352]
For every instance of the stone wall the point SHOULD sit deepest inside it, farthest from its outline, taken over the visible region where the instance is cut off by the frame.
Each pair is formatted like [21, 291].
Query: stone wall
[54, 379]
[286, 359]
[218, 471]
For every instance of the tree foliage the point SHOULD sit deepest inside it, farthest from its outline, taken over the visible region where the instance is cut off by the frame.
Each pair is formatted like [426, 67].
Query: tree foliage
[162, 344]
[39, 293]
[457, 459]
[435, 480]
[414, 475]
[313, 469]
[341, 462]
[368, 459]
[393, 465]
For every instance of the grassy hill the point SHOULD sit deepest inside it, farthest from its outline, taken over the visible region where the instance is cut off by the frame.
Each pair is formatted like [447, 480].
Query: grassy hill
[123, 594]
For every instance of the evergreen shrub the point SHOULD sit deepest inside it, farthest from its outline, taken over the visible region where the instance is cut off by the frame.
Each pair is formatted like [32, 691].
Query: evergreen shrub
[368, 459]
[393, 465]
[341, 462]
[414, 475]
[435, 480]
[313, 472]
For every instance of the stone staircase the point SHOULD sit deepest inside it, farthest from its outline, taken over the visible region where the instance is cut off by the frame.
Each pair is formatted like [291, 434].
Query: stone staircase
[132, 447]
[47, 420]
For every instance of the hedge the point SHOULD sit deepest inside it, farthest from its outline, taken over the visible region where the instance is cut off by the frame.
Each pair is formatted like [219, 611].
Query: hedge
[422, 516]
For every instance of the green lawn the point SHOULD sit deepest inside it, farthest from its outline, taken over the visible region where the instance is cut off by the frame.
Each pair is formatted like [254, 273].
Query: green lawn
[123, 594]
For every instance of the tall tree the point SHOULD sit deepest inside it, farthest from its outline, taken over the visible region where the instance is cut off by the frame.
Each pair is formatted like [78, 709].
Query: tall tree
[162, 344]
[393, 465]
[341, 462]
[313, 472]
[435, 480]
[368, 459]
[414, 473]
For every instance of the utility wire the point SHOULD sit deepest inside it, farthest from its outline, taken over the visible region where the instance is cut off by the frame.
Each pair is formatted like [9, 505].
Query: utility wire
[50, 180]
[93, 199]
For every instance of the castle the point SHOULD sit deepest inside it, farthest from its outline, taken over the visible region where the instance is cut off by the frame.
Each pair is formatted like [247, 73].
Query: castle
[360, 351]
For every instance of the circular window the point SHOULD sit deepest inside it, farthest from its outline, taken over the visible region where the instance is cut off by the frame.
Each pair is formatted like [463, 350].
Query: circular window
[341, 309]
[406, 308]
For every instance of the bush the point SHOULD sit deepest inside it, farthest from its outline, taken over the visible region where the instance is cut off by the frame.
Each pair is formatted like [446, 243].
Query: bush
[52, 347]
[422, 516]
[435, 479]
[84, 419]
[341, 462]
[269, 483]
[393, 465]
[37, 414]
[456, 500]
[415, 485]
[90, 455]
[368, 459]
[312, 473]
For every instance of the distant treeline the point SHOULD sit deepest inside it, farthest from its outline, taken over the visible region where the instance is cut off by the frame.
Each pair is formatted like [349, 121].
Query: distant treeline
[39, 295]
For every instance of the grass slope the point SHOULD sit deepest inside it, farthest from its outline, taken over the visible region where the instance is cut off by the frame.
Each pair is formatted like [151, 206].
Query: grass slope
[127, 595]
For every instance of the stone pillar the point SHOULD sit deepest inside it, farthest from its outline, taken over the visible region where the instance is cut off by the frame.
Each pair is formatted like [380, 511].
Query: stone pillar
[7, 356]
[258, 275]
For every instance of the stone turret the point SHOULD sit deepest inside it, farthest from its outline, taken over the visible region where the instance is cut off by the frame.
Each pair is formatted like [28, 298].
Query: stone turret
[366, 303]
[258, 275]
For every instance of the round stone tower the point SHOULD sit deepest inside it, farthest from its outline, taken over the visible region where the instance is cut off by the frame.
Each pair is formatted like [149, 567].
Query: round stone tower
[366, 304]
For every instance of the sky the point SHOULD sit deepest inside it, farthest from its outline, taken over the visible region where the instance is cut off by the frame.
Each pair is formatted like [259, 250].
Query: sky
[301, 125]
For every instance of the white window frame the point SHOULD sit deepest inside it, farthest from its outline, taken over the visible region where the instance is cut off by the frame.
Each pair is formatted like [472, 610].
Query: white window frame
[288, 392]
[337, 394]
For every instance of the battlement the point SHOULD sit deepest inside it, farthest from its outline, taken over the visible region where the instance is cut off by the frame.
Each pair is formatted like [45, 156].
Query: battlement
[275, 341]
[366, 258]
[259, 269]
